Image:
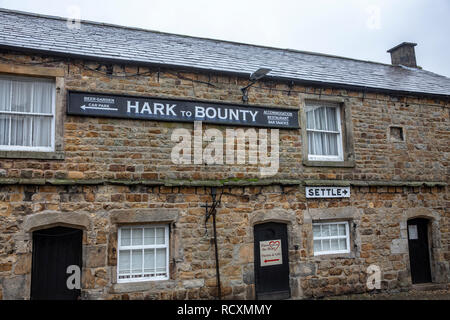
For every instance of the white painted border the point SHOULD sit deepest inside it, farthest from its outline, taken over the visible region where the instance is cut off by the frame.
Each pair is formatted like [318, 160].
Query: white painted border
[347, 231]
[166, 246]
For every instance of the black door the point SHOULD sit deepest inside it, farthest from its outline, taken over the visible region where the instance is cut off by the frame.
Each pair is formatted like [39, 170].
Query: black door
[271, 261]
[419, 255]
[54, 250]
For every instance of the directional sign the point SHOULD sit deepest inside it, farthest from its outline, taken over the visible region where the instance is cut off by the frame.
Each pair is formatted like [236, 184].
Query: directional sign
[327, 192]
[151, 108]
[270, 252]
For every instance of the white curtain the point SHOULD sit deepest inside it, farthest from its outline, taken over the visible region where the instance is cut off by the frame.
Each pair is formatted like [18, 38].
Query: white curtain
[18, 95]
[322, 118]
[42, 103]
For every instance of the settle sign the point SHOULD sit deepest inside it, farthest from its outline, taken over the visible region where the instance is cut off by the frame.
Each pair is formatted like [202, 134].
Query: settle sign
[129, 107]
[327, 192]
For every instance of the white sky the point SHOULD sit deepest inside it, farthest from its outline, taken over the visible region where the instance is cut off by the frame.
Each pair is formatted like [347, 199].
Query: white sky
[361, 29]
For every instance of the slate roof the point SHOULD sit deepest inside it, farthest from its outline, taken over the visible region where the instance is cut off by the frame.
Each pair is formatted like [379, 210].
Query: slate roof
[27, 31]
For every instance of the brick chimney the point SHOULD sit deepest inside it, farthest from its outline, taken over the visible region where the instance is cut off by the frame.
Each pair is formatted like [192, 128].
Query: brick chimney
[404, 54]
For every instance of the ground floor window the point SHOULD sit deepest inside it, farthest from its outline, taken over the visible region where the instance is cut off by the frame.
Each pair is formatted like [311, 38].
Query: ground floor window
[331, 238]
[143, 253]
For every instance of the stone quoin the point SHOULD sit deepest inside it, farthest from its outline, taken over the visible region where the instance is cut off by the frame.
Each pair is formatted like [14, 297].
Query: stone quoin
[105, 191]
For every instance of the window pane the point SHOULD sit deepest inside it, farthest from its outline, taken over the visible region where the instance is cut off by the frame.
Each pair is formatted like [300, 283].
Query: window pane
[161, 260]
[325, 230]
[334, 244]
[149, 261]
[332, 119]
[5, 95]
[149, 236]
[326, 245]
[315, 143]
[160, 235]
[317, 246]
[136, 236]
[330, 144]
[42, 130]
[21, 96]
[4, 129]
[320, 118]
[125, 237]
[310, 119]
[124, 261]
[333, 230]
[316, 231]
[342, 244]
[42, 97]
[342, 230]
[136, 261]
[21, 131]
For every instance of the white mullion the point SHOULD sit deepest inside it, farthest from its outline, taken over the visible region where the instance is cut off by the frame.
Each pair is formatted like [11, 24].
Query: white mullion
[20, 113]
[142, 261]
[154, 254]
[32, 118]
[53, 129]
[10, 118]
[323, 131]
[338, 119]
[166, 241]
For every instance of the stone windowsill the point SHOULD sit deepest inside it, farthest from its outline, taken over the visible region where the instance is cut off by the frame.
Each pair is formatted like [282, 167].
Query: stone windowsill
[56, 155]
[140, 286]
[334, 256]
[340, 164]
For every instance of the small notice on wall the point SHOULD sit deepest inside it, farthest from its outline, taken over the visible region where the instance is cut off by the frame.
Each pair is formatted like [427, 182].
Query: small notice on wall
[327, 192]
[412, 230]
[270, 252]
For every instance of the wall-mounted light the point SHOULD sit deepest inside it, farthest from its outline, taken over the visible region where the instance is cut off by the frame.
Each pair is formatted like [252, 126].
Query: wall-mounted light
[255, 76]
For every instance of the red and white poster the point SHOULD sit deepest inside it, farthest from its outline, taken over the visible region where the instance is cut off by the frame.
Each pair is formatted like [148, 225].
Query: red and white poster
[270, 252]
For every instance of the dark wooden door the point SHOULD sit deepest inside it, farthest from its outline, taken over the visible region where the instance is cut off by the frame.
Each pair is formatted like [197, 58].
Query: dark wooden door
[419, 254]
[271, 261]
[54, 250]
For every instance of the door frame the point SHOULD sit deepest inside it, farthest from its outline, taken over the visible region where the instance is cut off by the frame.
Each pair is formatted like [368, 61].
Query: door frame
[275, 294]
[33, 253]
[287, 217]
[434, 241]
[429, 243]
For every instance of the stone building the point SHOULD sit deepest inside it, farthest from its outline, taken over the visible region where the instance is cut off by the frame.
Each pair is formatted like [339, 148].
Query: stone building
[359, 192]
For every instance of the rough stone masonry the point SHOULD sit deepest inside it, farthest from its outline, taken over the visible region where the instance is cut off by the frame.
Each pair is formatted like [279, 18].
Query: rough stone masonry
[114, 172]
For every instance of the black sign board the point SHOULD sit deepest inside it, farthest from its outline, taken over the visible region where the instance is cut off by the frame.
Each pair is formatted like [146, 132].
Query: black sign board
[130, 107]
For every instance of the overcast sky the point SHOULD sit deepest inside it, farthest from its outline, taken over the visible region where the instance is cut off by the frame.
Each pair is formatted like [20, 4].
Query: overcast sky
[361, 29]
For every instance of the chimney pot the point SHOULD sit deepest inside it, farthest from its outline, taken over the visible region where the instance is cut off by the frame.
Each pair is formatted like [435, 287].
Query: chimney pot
[404, 54]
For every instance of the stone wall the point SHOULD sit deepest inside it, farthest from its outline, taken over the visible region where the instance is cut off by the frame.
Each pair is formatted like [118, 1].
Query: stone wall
[378, 216]
[101, 148]
[117, 171]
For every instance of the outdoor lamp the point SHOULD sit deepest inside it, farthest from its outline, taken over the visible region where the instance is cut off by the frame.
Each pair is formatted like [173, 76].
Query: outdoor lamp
[255, 76]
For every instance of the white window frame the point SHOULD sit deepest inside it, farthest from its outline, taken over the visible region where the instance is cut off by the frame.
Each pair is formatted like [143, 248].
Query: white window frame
[347, 237]
[315, 157]
[12, 113]
[143, 247]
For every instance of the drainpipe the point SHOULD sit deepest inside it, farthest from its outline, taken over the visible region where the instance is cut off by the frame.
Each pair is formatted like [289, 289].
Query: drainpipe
[212, 212]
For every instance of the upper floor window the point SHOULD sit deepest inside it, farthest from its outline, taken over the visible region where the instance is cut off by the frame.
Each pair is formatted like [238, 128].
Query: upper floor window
[143, 253]
[324, 132]
[27, 114]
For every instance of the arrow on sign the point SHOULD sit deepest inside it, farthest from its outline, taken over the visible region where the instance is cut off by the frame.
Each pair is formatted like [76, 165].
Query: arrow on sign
[98, 108]
[271, 260]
